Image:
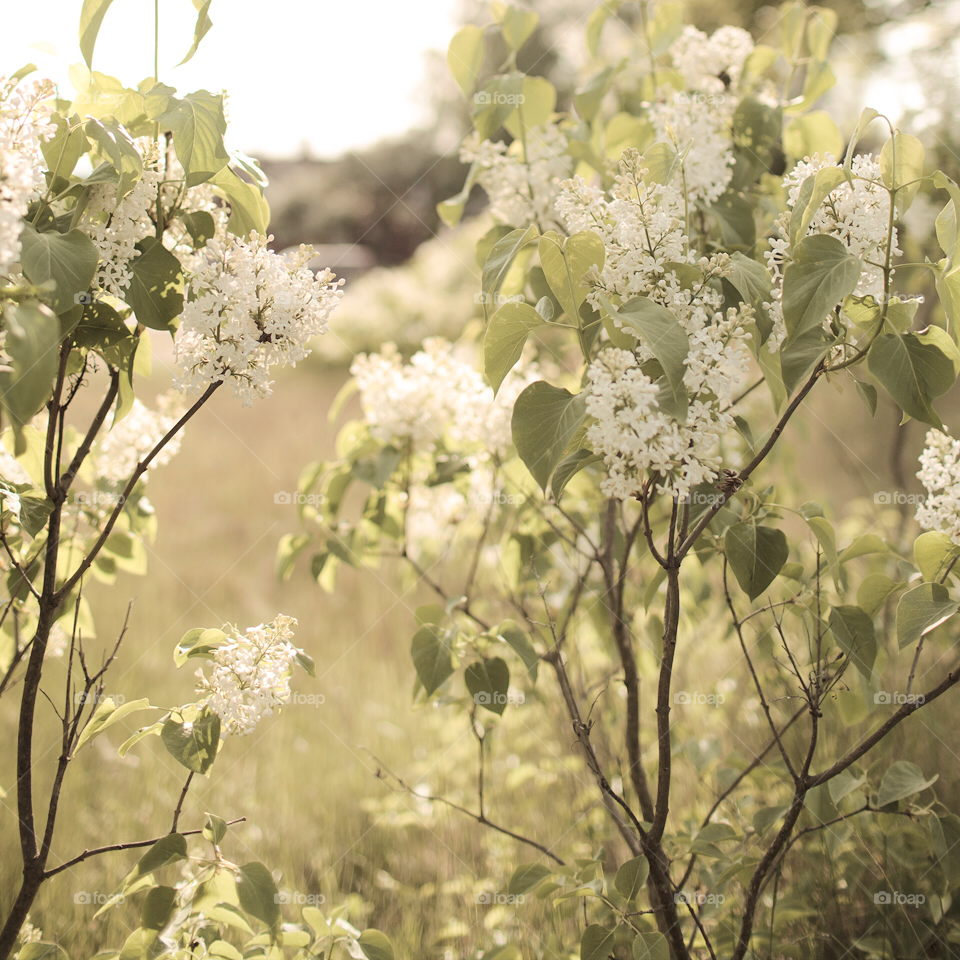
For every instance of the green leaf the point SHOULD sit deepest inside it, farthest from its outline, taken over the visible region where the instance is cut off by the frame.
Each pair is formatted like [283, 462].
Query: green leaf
[735, 216]
[946, 835]
[821, 185]
[589, 97]
[821, 26]
[526, 877]
[248, 209]
[568, 467]
[200, 225]
[565, 266]
[496, 102]
[499, 261]
[224, 950]
[798, 356]
[289, 548]
[166, 850]
[766, 817]
[156, 289]
[32, 343]
[376, 945]
[756, 555]
[433, 657]
[488, 682]
[158, 907]
[662, 333]
[465, 57]
[867, 116]
[516, 24]
[114, 144]
[751, 279]
[921, 610]
[513, 634]
[91, 17]
[914, 369]
[505, 337]
[931, 551]
[198, 126]
[215, 829]
[821, 274]
[198, 642]
[66, 261]
[854, 631]
[193, 743]
[651, 945]
[868, 394]
[106, 714]
[62, 151]
[815, 132]
[901, 168]
[545, 419]
[38, 950]
[596, 942]
[874, 591]
[903, 779]
[631, 877]
[141, 945]
[259, 895]
[204, 23]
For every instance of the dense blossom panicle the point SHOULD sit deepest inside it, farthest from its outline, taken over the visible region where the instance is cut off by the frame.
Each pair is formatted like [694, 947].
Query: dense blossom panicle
[858, 216]
[702, 61]
[115, 228]
[522, 190]
[435, 397]
[700, 130]
[24, 124]
[250, 309]
[642, 229]
[117, 453]
[250, 675]
[940, 475]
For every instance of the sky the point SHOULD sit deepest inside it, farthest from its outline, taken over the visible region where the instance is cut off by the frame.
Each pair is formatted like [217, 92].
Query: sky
[320, 75]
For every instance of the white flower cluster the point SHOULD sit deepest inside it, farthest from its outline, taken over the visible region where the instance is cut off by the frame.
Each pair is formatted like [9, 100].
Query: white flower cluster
[249, 309]
[115, 229]
[642, 231]
[858, 216]
[522, 189]
[702, 61]
[250, 675]
[435, 397]
[24, 125]
[940, 475]
[700, 131]
[117, 454]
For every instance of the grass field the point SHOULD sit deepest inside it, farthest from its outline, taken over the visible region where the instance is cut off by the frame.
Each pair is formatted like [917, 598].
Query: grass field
[305, 780]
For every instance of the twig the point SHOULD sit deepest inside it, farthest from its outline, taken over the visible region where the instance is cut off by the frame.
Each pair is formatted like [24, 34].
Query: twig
[183, 796]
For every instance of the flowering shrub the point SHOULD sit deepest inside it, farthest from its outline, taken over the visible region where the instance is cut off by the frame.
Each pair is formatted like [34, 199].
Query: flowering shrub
[677, 260]
[121, 213]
